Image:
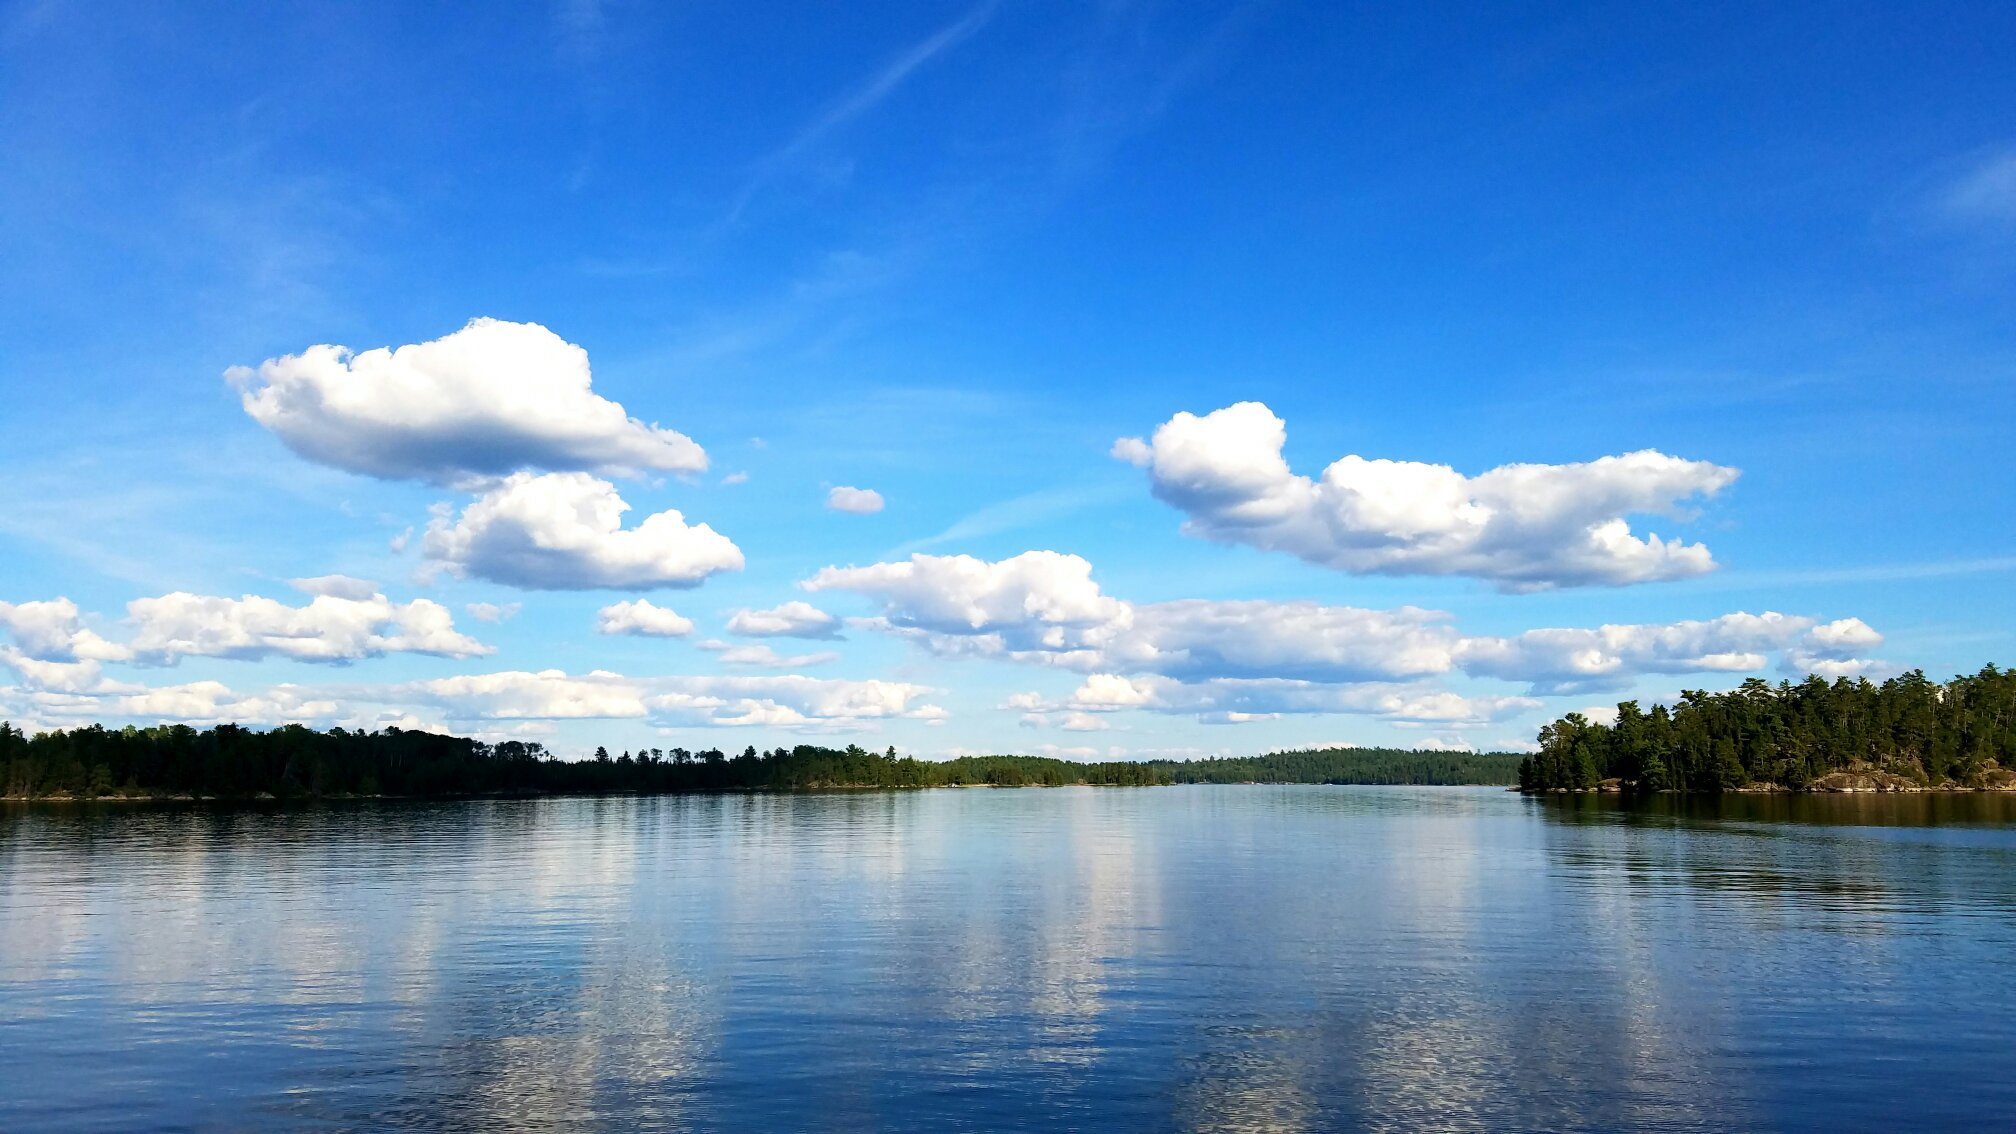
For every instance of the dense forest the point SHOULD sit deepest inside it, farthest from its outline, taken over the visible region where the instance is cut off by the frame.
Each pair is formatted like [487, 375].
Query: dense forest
[292, 762]
[1907, 732]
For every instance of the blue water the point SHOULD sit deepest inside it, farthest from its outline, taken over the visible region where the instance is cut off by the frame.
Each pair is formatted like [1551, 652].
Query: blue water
[1191, 958]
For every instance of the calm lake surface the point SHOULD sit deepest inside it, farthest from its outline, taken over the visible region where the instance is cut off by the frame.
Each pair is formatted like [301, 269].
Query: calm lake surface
[1192, 958]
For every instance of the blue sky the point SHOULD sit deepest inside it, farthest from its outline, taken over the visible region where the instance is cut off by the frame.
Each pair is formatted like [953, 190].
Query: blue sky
[953, 254]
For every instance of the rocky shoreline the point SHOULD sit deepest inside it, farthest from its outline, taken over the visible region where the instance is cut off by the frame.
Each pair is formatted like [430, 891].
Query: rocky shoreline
[1855, 780]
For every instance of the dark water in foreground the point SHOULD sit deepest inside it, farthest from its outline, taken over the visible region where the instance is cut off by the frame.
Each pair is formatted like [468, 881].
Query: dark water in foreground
[1252, 958]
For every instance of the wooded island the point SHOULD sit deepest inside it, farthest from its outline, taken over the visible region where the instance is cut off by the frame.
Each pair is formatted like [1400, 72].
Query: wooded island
[1905, 734]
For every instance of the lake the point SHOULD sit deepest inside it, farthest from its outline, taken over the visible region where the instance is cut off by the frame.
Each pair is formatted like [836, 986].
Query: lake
[1188, 958]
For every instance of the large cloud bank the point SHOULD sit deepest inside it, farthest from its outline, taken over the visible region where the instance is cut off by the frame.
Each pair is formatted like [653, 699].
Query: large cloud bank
[330, 627]
[487, 703]
[52, 651]
[1524, 527]
[1238, 659]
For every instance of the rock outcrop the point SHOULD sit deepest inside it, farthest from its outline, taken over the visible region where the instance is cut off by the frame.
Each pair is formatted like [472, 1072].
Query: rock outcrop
[1867, 781]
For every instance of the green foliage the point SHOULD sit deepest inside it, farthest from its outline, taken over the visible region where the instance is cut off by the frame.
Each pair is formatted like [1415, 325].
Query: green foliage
[1789, 735]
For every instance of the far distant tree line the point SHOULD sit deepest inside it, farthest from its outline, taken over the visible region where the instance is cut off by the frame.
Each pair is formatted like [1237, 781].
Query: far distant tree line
[229, 761]
[1351, 766]
[1788, 735]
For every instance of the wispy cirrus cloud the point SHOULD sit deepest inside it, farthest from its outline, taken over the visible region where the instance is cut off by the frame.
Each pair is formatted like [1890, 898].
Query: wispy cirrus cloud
[859, 100]
[1985, 193]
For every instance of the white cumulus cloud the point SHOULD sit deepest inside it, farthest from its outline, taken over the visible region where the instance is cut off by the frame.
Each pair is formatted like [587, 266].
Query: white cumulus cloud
[563, 531]
[490, 399]
[794, 619]
[1522, 526]
[1038, 599]
[639, 616]
[860, 501]
[54, 630]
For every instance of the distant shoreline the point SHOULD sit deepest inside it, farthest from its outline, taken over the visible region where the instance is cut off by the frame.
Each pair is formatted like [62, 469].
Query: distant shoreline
[177, 762]
[827, 789]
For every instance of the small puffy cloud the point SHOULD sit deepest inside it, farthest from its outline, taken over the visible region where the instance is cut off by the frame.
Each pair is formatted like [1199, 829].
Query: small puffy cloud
[1524, 527]
[734, 478]
[794, 619]
[1134, 451]
[328, 629]
[563, 531]
[492, 398]
[1105, 692]
[1844, 636]
[761, 656]
[638, 616]
[493, 612]
[860, 501]
[1083, 722]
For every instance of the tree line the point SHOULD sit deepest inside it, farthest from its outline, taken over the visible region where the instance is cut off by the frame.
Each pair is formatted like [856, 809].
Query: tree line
[229, 761]
[1949, 734]
[1350, 766]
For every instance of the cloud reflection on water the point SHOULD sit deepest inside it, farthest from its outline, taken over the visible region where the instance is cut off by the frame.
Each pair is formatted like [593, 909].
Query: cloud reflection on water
[1242, 958]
